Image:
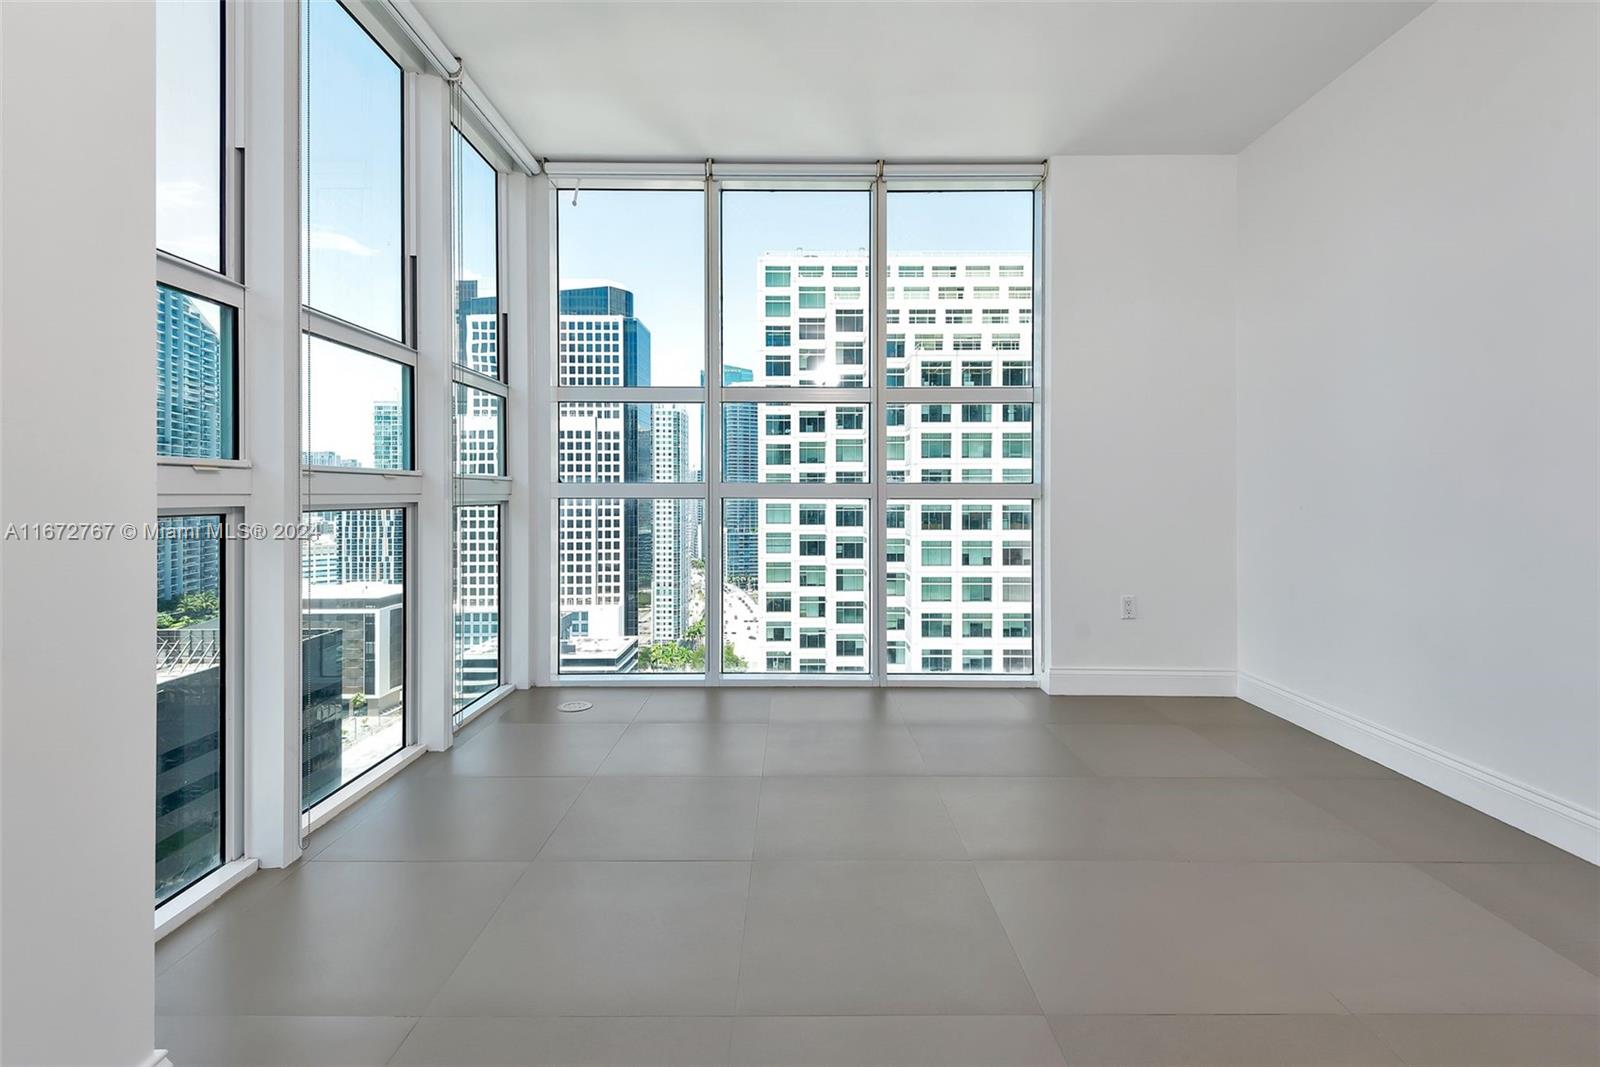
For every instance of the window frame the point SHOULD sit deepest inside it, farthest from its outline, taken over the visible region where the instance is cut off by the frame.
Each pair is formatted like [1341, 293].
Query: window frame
[875, 396]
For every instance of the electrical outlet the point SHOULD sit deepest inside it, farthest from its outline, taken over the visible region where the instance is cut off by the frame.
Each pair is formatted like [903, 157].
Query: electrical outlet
[1130, 607]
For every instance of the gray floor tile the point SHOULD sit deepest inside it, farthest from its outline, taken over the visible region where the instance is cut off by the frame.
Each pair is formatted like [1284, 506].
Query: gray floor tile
[607, 939]
[854, 818]
[1491, 1040]
[1416, 823]
[739, 704]
[327, 942]
[626, 818]
[841, 749]
[1291, 752]
[611, 704]
[280, 1040]
[1150, 938]
[634, 1042]
[1212, 711]
[1081, 709]
[1269, 938]
[924, 706]
[1250, 819]
[895, 1041]
[1385, 937]
[995, 750]
[456, 818]
[1219, 1041]
[1058, 818]
[1150, 750]
[238, 900]
[661, 749]
[1556, 903]
[875, 938]
[522, 749]
[800, 706]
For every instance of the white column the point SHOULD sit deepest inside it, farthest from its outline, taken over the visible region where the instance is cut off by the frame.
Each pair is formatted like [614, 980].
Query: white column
[269, 112]
[524, 424]
[432, 548]
[77, 692]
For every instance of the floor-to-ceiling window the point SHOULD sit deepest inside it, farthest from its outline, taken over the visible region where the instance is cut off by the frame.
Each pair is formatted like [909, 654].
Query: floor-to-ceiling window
[357, 418]
[859, 403]
[198, 304]
[481, 486]
[630, 431]
[959, 433]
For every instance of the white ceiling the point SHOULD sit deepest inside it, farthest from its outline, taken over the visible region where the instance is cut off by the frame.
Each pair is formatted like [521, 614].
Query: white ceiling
[806, 79]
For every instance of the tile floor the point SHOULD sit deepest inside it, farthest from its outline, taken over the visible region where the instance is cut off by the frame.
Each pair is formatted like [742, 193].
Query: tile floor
[905, 877]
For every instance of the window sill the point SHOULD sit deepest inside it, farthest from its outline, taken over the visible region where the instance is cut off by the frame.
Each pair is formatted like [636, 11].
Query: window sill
[200, 896]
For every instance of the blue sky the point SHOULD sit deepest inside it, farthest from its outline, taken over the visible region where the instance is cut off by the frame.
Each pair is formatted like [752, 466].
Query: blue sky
[652, 243]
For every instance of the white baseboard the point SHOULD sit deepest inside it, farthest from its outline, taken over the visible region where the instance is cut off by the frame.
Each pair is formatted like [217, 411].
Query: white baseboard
[1139, 681]
[158, 1058]
[1549, 818]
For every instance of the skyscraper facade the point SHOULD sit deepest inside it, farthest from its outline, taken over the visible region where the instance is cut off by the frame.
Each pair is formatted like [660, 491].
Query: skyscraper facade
[600, 342]
[740, 463]
[959, 572]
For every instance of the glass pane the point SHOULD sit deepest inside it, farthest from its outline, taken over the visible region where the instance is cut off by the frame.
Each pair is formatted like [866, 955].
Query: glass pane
[606, 442]
[795, 442]
[960, 586]
[632, 586]
[795, 291]
[632, 281]
[189, 131]
[974, 442]
[477, 603]
[352, 645]
[794, 590]
[355, 407]
[189, 710]
[194, 376]
[477, 260]
[480, 432]
[353, 173]
[960, 289]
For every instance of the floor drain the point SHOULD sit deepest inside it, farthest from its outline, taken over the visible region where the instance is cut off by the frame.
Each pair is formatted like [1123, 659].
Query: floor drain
[574, 705]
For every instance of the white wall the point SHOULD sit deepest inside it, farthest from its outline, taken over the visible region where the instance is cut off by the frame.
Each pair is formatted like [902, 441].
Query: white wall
[1418, 412]
[77, 190]
[1141, 437]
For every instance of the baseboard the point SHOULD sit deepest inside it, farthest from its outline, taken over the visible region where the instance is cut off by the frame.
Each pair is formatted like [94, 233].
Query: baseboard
[158, 1058]
[1139, 681]
[1549, 818]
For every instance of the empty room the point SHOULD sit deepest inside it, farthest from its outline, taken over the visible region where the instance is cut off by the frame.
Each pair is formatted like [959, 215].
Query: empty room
[788, 533]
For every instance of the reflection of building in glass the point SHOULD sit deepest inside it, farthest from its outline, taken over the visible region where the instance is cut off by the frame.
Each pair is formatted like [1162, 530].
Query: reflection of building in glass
[353, 634]
[188, 754]
[189, 701]
[959, 575]
[322, 713]
[604, 549]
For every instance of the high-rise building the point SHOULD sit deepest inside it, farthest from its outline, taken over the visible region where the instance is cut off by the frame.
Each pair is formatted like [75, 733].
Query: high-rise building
[671, 530]
[605, 550]
[741, 446]
[477, 329]
[959, 573]
[391, 445]
[194, 374]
